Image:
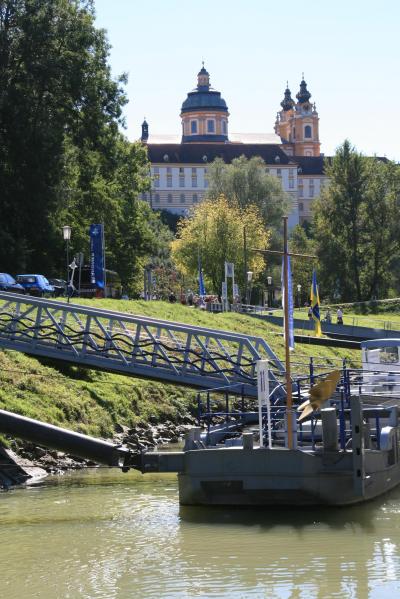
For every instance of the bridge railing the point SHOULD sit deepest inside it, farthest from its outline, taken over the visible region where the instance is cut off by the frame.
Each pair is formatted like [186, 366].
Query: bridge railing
[134, 345]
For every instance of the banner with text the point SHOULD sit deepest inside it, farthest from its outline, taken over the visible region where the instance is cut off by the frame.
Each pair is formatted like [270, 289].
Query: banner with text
[96, 233]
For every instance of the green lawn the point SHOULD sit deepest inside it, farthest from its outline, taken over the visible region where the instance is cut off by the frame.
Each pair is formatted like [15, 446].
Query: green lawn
[93, 402]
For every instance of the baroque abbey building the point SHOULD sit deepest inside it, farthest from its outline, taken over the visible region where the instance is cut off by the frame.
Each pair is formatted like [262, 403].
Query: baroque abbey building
[292, 153]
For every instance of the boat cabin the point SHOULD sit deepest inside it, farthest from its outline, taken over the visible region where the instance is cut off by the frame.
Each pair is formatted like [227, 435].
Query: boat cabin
[381, 354]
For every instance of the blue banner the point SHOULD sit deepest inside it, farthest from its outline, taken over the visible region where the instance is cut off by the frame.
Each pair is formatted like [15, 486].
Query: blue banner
[202, 289]
[290, 300]
[96, 233]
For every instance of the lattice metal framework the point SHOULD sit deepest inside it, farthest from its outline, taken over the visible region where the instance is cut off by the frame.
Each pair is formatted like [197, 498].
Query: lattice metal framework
[132, 345]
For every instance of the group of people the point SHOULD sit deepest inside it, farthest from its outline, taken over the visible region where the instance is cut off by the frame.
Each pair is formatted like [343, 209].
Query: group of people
[328, 315]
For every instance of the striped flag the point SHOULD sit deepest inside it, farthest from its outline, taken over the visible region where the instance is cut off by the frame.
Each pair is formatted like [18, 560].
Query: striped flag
[315, 305]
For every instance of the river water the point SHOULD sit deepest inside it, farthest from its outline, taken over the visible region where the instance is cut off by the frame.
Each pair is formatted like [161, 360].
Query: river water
[104, 534]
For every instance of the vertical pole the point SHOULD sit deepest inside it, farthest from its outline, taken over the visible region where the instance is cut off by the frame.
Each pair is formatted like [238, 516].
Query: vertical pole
[245, 261]
[289, 402]
[67, 271]
[104, 263]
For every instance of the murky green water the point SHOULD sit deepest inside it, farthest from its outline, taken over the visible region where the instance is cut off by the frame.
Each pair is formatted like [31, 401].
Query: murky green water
[102, 534]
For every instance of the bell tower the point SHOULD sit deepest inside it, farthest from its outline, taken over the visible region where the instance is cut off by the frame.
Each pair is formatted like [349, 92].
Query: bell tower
[297, 124]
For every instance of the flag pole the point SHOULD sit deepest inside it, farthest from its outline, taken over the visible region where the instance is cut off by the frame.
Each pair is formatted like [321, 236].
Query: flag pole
[289, 400]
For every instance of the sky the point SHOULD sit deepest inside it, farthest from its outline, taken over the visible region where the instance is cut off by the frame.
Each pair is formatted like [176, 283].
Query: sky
[348, 50]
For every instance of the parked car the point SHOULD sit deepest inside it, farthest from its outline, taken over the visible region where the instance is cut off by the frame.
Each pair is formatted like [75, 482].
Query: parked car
[8, 283]
[35, 285]
[60, 286]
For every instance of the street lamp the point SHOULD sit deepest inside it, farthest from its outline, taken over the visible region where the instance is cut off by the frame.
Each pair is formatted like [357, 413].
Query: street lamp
[299, 295]
[269, 282]
[249, 280]
[67, 236]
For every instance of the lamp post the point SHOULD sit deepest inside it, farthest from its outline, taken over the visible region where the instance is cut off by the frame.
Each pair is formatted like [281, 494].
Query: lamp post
[269, 282]
[67, 236]
[248, 287]
[299, 295]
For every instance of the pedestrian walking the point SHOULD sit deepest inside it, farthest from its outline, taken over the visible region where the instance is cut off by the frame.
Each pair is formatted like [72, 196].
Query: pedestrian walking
[339, 315]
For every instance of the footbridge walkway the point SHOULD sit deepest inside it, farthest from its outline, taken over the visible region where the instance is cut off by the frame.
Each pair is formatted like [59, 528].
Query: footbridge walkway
[133, 345]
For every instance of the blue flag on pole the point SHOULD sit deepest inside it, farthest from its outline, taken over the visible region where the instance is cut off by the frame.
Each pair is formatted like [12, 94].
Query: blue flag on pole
[96, 233]
[290, 301]
[315, 305]
[202, 289]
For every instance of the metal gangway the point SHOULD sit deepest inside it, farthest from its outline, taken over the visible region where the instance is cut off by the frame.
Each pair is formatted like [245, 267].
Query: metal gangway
[133, 345]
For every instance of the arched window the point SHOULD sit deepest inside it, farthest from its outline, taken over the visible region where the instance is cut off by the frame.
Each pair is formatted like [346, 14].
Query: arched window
[308, 132]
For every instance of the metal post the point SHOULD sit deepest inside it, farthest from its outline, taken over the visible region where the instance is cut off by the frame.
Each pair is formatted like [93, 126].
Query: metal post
[289, 401]
[67, 271]
[245, 261]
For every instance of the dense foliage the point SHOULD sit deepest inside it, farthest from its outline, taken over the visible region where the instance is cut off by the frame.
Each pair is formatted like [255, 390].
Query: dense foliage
[62, 158]
[214, 232]
[356, 225]
[245, 182]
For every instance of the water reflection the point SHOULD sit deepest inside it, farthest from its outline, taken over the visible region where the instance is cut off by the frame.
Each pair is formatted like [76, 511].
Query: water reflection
[108, 535]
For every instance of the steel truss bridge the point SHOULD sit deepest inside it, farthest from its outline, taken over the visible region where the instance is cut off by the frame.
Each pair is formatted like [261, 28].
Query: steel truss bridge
[133, 345]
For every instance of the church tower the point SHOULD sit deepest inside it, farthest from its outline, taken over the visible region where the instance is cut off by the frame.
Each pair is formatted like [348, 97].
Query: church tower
[297, 124]
[204, 113]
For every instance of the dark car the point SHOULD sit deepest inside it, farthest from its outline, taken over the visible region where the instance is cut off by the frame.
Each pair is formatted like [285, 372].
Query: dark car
[8, 283]
[35, 285]
[60, 286]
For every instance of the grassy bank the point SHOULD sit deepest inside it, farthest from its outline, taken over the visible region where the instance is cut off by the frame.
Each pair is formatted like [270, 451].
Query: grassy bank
[93, 402]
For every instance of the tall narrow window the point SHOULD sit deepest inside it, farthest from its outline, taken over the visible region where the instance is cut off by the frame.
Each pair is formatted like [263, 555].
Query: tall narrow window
[195, 198]
[307, 132]
[169, 198]
[182, 198]
[193, 126]
[210, 126]
[224, 127]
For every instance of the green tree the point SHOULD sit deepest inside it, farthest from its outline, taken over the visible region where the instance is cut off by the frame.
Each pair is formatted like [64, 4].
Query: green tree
[302, 268]
[62, 157]
[355, 225]
[245, 182]
[215, 233]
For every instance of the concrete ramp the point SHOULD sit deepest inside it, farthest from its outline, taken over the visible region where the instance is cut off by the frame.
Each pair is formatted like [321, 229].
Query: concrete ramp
[133, 345]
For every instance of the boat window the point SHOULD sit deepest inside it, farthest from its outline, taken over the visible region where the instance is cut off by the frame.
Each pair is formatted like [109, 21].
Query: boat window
[389, 355]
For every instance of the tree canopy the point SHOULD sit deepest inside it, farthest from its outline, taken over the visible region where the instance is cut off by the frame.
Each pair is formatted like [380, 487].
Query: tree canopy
[62, 157]
[214, 232]
[245, 182]
[356, 222]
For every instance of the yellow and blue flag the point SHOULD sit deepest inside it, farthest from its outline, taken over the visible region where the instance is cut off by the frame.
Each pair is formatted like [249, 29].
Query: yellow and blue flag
[315, 305]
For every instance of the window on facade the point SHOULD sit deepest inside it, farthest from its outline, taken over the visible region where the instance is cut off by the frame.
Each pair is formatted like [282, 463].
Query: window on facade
[224, 127]
[301, 191]
[181, 170]
[169, 180]
[307, 132]
[193, 126]
[311, 194]
[169, 198]
[181, 180]
[210, 126]
[182, 198]
[291, 183]
[195, 198]
[279, 172]
[156, 176]
[157, 198]
[194, 181]
[301, 206]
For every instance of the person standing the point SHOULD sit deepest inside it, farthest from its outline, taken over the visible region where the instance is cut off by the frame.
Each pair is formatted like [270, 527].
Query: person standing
[339, 315]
